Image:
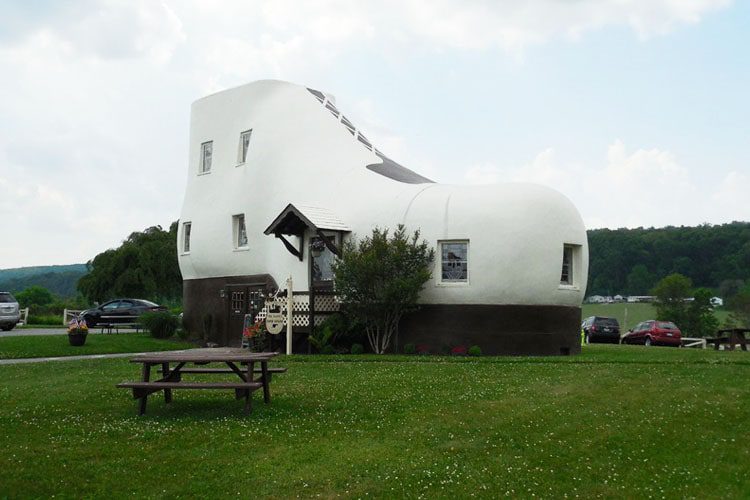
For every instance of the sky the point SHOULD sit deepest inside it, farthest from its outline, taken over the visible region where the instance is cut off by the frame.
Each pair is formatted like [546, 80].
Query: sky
[638, 111]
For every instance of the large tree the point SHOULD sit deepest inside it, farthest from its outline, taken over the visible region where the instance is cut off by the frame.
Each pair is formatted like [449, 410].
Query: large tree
[379, 280]
[144, 266]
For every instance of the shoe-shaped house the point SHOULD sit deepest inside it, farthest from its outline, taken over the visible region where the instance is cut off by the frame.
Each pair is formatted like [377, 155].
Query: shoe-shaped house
[279, 176]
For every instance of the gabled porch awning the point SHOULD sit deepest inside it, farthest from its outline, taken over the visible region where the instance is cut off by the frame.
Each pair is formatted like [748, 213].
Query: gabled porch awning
[294, 220]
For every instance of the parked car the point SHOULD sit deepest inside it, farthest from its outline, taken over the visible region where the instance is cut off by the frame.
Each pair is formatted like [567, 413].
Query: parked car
[600, 329]
[654, 332]
[10, 314]
[119, 311]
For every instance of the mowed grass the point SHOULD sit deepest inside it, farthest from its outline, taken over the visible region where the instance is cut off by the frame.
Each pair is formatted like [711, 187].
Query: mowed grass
[616, 421]
[630, 314]
[37, 346]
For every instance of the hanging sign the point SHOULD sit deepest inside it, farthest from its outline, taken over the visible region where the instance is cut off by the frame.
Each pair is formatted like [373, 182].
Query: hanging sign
[274, 322]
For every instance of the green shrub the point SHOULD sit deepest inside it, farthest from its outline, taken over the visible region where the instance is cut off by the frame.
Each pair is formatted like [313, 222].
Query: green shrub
[45, 319]
[327, 349]
[162, 325]
[358, 348]
[410, 349]
[322, 338]
[183, 333]
[475, 350]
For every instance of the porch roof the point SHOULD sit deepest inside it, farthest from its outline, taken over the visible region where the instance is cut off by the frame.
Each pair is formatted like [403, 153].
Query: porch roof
[293, 220]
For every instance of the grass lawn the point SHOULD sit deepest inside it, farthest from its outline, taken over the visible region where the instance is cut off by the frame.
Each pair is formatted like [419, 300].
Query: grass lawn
[616, 421]
[38, 346]
[629, 315]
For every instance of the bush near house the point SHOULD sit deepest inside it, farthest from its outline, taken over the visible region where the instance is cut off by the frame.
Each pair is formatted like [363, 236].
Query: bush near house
[379, 280]
[162, 325]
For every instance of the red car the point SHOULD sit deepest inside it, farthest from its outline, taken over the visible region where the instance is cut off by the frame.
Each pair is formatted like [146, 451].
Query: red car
[654, 332]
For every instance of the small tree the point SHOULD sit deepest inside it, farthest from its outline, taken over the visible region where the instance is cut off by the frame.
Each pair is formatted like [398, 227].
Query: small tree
[35, 295]
[739, 305]
[671, 293]
[379, 279]
[700, 314]
[696, 317]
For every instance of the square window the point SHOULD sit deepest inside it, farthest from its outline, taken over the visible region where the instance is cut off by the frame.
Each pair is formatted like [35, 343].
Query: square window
[454, 261]
[240, 233]
[207, 149]
[186, 237]
[244, 146]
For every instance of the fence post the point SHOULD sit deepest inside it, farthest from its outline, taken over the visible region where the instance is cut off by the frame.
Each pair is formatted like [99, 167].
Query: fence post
[289, 315]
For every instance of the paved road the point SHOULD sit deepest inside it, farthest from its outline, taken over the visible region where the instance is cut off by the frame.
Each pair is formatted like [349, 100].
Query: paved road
[18, 332]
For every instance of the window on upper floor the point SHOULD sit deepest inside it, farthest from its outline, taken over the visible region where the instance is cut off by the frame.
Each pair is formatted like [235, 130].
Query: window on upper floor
[207, 149]
[186, 227]
[239, 231]
[454, 261]
[244, 146]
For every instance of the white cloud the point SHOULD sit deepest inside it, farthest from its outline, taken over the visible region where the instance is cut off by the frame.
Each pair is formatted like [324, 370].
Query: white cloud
[645, 187]
[94, 118]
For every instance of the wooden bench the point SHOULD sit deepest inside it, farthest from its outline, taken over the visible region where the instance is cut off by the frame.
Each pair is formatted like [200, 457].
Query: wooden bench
[117, 326]
[143, 389]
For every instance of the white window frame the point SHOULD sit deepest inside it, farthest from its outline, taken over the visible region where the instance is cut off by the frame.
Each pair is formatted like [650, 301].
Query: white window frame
[572, 253]
[186, 232]
[439, 272]
[237, 229]
[241, 159]
[205, 167]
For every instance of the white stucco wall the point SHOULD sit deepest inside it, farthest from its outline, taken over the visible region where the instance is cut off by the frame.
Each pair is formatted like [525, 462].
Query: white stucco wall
[299, 153]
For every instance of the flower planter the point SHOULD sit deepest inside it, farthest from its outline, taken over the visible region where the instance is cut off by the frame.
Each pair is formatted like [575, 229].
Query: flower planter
[77, 339]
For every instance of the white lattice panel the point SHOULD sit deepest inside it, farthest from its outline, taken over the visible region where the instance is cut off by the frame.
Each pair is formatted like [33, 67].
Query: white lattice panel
[301, 304]
[326, 303]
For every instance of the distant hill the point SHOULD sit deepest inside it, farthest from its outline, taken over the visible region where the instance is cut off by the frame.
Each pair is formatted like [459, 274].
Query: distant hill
[632, 261]
[60, 280]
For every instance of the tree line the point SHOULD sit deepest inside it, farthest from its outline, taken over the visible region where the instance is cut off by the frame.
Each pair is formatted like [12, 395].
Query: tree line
[633, 261]
[144, 266]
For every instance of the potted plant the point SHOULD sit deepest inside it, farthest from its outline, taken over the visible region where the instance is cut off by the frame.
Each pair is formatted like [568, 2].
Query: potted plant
[77, 332]
[254, 336]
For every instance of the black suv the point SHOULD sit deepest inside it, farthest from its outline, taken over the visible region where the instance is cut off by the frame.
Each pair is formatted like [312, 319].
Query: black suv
[601, 329]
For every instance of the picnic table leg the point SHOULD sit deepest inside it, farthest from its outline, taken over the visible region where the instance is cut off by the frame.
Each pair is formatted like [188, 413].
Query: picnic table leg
[739, 338]
[266, 387]
[248, 392]
[146, 375]
[165, 374]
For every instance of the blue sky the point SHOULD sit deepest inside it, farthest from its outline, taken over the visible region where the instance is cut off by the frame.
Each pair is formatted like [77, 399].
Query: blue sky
[637, 111]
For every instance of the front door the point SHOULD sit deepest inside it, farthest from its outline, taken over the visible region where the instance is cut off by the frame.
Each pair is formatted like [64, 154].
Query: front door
[243, 299]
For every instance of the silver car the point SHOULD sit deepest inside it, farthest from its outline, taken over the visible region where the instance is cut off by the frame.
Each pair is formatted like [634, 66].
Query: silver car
[10, 315]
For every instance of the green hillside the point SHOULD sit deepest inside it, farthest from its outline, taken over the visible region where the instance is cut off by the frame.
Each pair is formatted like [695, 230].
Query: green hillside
[60, 280]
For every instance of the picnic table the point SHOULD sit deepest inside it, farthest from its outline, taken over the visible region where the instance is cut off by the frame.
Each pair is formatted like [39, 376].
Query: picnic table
[174, 364]
[730, 337]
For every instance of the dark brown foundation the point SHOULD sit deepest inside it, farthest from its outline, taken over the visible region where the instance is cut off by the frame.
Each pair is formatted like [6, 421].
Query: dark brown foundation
[207, 304]
[497, 329]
